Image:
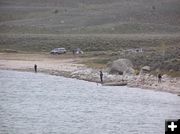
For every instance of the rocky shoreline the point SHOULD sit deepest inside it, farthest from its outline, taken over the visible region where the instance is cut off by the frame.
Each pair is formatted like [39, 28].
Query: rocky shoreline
[71, 68]
[146, 81]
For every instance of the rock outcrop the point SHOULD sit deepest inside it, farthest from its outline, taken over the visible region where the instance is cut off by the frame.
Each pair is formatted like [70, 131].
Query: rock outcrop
[145, 69]
[121, 66]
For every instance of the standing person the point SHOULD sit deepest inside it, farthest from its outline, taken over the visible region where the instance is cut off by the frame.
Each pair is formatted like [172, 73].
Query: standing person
[159, 78]
[73, 52]
[35, 68]
[101, 76]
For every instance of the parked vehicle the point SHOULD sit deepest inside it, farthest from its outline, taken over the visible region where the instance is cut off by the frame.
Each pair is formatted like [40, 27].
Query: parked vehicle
[58, 51]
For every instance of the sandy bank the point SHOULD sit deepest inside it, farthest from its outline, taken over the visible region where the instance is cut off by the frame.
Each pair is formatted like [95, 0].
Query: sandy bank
[69, 66]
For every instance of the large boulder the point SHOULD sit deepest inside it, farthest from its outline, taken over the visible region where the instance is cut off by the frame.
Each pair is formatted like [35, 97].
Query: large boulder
[146, 68]
[121, 66]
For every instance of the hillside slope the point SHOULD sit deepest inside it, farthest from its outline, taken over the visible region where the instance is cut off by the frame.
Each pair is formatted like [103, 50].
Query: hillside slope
[89, 16]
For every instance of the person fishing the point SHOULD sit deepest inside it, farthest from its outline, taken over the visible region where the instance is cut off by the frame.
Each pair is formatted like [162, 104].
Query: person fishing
[101, 76]
[159, 78]
[35, 68]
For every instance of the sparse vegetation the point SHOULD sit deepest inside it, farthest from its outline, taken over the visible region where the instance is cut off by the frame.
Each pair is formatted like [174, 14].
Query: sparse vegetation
[101, 28]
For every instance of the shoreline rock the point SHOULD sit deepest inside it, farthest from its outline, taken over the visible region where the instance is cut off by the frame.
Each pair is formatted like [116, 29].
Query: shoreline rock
[147, 81]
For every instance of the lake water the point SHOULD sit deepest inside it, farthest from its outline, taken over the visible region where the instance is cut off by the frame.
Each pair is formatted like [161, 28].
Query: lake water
[43, 104]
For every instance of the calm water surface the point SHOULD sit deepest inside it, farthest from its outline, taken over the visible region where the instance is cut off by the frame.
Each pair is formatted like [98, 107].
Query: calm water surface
[42, 104]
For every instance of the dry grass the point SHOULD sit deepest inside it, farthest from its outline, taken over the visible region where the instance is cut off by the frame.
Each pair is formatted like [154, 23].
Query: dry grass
[173, 74]
[94, 16]
[95, 62]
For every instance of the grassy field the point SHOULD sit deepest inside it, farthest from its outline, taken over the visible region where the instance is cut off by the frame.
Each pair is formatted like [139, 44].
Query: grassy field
[88, 42]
